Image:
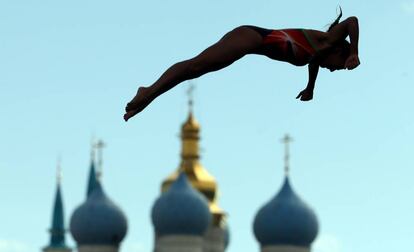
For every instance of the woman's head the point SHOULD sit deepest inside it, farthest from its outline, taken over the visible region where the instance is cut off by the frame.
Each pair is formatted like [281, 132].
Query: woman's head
[335, 57]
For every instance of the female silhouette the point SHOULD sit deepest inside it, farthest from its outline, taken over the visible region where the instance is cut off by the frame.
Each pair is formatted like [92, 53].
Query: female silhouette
[299, 47]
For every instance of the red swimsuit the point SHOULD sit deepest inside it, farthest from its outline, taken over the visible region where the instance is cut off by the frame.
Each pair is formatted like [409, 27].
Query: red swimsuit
[292, 45]
[292, 42]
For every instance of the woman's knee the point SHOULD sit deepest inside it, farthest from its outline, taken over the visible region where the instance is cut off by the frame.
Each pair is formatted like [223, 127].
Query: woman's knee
[196, 67]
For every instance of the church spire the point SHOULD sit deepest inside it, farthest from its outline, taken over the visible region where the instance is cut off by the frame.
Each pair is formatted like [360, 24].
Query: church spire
[216, 237]
[190, 132]
[57, 230]
[190, 162]
[92, 181]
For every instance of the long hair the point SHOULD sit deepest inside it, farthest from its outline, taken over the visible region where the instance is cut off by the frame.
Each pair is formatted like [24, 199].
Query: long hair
[343, 45]
[336, 20]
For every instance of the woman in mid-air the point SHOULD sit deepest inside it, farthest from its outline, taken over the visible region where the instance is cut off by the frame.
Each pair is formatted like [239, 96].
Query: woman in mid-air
[299, 47]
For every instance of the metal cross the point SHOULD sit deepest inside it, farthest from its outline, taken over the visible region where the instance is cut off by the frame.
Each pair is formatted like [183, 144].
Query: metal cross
[93, 149]
[59, 170]
[99, 147]
[190, 93]
[286, 140]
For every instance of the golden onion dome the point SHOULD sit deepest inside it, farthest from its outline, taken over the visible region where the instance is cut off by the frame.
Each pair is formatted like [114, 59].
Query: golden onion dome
[196, 173]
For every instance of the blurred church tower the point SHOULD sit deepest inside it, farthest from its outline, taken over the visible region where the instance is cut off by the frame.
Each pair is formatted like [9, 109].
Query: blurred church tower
[216, 237]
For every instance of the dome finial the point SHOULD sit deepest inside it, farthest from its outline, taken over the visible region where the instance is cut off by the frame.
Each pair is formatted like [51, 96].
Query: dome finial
[59, 170]
[99, 147]
[93, 148]
[286, 140]
[190, 94]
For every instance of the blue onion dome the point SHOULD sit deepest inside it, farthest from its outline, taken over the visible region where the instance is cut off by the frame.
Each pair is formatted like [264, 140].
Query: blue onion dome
[98, 221]
[181, 210]
[286, 220]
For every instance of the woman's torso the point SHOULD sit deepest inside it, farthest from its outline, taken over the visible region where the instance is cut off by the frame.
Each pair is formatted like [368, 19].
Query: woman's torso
[296, 46]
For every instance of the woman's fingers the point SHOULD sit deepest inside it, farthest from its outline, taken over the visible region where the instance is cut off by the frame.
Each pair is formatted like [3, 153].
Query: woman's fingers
[352, 62]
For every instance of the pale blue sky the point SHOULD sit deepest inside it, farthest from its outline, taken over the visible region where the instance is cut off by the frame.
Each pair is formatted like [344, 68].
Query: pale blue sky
[68, 68]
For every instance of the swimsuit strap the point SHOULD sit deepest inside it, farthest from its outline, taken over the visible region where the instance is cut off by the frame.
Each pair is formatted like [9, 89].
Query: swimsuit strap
[309, 40]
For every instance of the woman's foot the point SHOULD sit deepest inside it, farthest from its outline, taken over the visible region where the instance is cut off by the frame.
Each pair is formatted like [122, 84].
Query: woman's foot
[138, 103]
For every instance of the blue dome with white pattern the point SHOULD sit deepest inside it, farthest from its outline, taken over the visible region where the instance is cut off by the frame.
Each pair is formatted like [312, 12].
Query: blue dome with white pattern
[286, 220]
[181, 210]
[98, 221]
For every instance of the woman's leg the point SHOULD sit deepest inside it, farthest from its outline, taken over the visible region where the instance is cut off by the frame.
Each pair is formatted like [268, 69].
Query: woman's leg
[233, 46]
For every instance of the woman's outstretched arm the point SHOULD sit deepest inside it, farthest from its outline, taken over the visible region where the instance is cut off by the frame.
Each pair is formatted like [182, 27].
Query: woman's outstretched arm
[307, 93]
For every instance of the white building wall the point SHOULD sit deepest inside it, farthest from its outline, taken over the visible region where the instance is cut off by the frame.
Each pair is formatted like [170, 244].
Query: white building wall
[214, 240]
[179, 243]
[97, 248]
[57, 250]
[284, 248]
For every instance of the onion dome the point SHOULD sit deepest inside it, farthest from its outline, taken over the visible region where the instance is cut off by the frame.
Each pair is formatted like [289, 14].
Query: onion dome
[286, 220]
[181, 210]
[98, 221]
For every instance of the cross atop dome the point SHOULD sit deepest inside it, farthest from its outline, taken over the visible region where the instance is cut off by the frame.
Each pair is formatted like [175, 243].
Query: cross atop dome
[99, 148]
[286, 140]
[190, 94]
[59, 170]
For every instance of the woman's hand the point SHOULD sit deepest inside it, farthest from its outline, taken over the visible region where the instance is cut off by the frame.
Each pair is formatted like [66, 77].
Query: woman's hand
[305, 95]
[352, 62]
